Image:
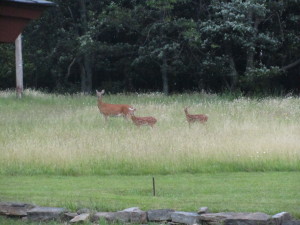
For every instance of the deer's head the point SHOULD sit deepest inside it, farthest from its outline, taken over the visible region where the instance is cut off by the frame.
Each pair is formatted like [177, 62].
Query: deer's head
[99, 94]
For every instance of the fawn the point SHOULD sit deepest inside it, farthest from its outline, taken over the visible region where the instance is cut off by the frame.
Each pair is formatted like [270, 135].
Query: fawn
[148, 120]
[107, 109]
[195, 118]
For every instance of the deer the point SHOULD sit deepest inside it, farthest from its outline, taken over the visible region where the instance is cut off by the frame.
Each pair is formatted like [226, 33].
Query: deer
[107, 109]
[139, 121]
[195, 118]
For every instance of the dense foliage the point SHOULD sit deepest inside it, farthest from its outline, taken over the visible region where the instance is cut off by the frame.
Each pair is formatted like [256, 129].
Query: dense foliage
[251, 46]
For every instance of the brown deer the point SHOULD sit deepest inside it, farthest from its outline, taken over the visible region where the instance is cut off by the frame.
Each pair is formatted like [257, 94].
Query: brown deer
[139, 121]
[195, 118]
[107, 109]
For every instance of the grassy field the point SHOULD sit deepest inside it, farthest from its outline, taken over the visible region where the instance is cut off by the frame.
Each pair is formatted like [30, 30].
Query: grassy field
[57, 150]
[45, 134]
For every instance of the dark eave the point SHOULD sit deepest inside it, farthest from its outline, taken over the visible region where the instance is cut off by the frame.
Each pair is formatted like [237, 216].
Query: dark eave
[31, 2]
[16, 14]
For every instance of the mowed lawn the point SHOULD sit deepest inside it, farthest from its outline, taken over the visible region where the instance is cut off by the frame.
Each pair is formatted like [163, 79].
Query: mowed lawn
[268, 192]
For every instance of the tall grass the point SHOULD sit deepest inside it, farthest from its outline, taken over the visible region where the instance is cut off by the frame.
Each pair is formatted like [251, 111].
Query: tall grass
[66, 135]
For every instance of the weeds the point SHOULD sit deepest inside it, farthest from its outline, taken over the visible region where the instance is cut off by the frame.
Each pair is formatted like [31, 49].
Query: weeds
[66, 135]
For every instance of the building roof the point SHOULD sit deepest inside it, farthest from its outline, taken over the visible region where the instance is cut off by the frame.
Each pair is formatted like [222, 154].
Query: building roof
[31, 2]
[16, 14]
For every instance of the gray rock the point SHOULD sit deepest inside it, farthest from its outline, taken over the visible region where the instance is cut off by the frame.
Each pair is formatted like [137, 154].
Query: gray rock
[15, 208]
[134, 216]
[279, 218]
[138, 217]
[45, 213]
[85, 210]
[291, 222]
[203, 210]
[132, 209]
[172, 223]
[131, 215]
[69, 215]
[108, 216]
[236, 218]
[24, 219]
[160, 215]
[120, 216]
[185, 217]
[80, 218]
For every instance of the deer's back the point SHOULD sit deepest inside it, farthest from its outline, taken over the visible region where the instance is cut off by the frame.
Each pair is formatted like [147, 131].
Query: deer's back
[144, 120]
[114, 109]
[193, 118]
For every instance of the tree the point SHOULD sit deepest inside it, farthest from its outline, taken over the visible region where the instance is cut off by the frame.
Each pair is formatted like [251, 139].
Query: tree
[233, 33]
[115, 31]
[68, 45]
[161, 43]
[7, 68]
[168, 45]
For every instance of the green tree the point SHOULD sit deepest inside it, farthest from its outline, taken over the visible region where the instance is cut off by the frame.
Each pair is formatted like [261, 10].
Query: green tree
[7, 66]
[69, 48]
[232, 32]
[161, 38]
[168, 45]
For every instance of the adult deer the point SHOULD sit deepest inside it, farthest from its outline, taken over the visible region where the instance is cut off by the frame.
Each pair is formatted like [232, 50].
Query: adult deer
[147, 120]
[107, 109]
[195, 118]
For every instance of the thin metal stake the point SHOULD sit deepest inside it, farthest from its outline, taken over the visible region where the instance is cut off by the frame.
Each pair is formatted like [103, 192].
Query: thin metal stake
[153, 183]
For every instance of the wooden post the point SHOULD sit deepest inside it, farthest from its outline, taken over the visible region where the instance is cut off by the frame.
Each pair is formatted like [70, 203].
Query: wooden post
[19, 66]
[153, 185]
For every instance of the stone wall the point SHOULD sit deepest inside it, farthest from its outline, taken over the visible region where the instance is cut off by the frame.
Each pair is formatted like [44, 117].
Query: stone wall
[134, 215]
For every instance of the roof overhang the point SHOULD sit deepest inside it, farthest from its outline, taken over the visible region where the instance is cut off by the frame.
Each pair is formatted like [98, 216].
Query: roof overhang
[16, 14]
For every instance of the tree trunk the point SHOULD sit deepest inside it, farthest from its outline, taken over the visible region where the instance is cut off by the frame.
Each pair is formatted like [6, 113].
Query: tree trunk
[233, 74]
[88, 74]
[250, 60]
[82, 76]
[291, 65]
[251, 51]
[86, 70]
[164, 73]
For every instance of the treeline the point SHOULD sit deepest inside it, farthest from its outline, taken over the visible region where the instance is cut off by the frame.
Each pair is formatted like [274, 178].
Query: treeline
[249, 46]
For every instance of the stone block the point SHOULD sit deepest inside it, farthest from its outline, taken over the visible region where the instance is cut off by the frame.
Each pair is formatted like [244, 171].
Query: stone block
[46, 213]
[189, 218]
[108, 216]
[279, 218]
[236, 218]
[291, 222]
[82, 211]
[160, 215]
[203, 210]
[132, 209]
[80, 218]
[15, 208]
[69, 215]
[122, 216]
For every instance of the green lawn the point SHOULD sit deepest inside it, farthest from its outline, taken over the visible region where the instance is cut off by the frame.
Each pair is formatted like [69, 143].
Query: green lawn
[268, 192]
